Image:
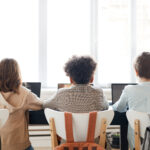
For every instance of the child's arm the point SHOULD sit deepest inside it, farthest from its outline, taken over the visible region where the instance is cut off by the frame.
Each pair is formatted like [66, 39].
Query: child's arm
[33, 102]
[51, 103]
[122, 104]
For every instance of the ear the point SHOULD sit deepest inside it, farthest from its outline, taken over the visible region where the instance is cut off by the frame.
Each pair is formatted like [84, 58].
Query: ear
[71, 81]
[136, 72]
[92, 79]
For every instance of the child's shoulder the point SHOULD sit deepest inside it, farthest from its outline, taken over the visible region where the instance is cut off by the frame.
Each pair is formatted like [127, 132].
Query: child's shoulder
[23, 90]
[63, 90]
[97, 89]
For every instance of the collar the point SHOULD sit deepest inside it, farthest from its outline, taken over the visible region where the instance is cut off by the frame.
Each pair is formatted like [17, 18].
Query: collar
[144, 83]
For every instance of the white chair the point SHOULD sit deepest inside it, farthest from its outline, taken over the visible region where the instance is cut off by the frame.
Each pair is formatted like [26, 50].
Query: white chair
[138, 121]
[80, 125]
[4, 114]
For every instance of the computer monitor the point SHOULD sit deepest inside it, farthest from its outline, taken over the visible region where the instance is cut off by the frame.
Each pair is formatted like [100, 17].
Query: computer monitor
[35, 87]
[35, 117]
[116, 90]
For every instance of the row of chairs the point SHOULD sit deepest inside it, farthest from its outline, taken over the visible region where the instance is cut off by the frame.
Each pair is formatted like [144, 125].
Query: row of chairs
[138, 121]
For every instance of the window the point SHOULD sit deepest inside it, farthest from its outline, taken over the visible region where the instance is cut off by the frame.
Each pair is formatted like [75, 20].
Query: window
[143, 25]
[114, 51]
[68, 33]
[19, 35]
[43, 34]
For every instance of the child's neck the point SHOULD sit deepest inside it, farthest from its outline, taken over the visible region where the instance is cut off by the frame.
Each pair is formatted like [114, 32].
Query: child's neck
[144, 80]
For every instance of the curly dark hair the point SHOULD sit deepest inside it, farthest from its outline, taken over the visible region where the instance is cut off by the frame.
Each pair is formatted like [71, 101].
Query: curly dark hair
[142, 65]
[10, 79]
[80, 69]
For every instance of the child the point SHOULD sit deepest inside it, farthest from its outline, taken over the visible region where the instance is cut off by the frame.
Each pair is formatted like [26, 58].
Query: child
[137, 97]
[18, 100]
[82, 96]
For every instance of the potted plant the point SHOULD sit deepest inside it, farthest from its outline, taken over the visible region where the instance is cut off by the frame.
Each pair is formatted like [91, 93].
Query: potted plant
[115, 140]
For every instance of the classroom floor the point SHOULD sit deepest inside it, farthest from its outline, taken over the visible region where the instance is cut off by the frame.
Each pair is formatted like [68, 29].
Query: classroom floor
[41, 143]
[40, 137]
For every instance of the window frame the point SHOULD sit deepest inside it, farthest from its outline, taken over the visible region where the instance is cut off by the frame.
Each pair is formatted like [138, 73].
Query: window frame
[93, 38]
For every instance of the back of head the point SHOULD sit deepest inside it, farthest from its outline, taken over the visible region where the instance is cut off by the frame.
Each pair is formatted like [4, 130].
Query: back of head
[142, 65]
[10, 79]
[80, 69]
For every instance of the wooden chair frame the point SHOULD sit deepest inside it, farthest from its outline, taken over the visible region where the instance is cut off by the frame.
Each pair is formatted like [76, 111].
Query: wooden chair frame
[54, 141]
[138, 122]
[137, 134]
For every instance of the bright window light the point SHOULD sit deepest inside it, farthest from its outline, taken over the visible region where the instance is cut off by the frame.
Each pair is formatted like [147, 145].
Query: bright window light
[143, 25]
[43, 34]
[19, 35]
[114, 51]
[68, 34]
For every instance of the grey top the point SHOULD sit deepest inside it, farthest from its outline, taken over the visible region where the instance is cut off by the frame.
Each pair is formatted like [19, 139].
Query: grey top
[78, 99]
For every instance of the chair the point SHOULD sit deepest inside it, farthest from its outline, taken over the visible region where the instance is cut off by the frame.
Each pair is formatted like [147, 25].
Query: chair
[138, 121]
[80, 125]
[4, 114]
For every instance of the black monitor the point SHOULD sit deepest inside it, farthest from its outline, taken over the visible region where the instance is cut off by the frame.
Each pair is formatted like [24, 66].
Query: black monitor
[116, 90]
[35, 117]
[35, 87]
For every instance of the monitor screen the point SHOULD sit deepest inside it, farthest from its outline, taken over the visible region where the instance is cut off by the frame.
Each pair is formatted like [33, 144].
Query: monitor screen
[116, 90]
[35, 87]
[35, 117]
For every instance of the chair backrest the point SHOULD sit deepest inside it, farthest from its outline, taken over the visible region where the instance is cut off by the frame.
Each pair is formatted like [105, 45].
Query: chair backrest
[80, 123]
[4, 114]
[144, 120]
